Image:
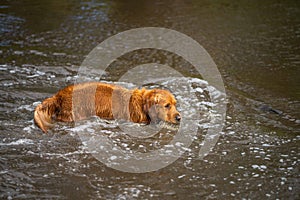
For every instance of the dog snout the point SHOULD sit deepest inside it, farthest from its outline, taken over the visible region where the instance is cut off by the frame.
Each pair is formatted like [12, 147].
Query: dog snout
[177, 118]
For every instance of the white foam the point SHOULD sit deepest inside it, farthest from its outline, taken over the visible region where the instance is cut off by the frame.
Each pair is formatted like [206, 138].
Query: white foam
[190, 105]
[18, 142]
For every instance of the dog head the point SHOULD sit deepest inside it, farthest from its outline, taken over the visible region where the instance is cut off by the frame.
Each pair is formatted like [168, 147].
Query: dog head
[160, 105]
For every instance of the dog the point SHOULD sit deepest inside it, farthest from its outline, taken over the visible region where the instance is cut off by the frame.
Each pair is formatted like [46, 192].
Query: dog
[107, 101]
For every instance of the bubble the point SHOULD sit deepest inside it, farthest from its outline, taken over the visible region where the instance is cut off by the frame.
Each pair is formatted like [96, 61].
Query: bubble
[99, 60]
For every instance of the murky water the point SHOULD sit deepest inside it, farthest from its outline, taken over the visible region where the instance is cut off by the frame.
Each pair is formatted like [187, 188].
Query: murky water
[256, 48]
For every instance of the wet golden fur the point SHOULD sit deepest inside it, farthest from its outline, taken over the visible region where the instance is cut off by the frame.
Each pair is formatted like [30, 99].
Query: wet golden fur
[77, 102]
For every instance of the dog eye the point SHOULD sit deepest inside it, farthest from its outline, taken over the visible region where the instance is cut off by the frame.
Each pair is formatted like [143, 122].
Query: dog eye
[167, 106]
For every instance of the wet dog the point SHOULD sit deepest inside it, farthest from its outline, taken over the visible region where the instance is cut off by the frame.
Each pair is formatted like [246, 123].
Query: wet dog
[81, 101]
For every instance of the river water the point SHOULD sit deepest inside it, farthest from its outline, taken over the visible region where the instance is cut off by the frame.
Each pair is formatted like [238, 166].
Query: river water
[255, 45]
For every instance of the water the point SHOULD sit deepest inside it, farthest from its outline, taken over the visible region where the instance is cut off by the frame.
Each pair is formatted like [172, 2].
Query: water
[255, 46]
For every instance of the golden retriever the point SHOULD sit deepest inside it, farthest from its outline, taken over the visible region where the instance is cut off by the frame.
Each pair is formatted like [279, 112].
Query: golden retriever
[80, 101]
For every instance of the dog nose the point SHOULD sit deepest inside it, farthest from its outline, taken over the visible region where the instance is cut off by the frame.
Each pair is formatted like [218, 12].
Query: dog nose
[178, 118]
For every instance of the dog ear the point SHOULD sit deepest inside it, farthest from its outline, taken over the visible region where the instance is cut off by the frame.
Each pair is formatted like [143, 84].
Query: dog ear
[44, 113]
[148, 100]
[151, 99]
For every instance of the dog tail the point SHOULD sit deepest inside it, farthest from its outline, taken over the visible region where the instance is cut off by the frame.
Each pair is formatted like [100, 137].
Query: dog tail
[43, 114]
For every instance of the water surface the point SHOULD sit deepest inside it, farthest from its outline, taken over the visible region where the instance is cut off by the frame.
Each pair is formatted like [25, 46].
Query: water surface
[256, 48]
